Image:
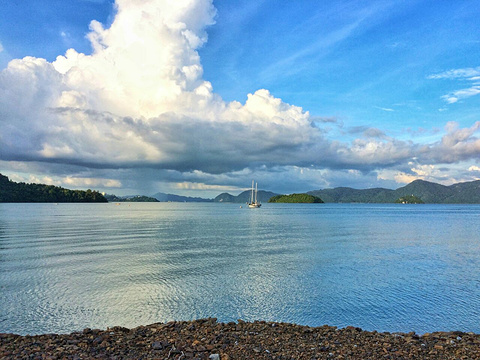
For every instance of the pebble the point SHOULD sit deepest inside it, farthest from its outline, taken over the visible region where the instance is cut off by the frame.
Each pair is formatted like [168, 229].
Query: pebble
[157, 345]
[206, 339]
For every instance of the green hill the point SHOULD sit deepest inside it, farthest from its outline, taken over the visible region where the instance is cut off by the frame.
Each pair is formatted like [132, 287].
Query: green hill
[349, 195]
[465, 193]
[20, 192]
[429, 192]
[225, 197]
[296, 198]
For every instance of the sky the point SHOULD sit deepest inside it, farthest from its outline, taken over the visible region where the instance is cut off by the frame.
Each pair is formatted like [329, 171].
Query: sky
[199, 97]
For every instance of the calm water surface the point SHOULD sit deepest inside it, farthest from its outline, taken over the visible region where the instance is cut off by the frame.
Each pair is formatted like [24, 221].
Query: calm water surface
[379, 267]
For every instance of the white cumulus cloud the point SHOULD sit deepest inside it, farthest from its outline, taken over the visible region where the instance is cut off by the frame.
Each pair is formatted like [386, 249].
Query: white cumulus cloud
[140, 99]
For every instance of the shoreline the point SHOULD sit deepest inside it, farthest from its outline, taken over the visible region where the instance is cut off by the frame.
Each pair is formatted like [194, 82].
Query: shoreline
[209, 339]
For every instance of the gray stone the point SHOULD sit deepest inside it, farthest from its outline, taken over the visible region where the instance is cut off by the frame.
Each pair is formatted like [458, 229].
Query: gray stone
[157, 345]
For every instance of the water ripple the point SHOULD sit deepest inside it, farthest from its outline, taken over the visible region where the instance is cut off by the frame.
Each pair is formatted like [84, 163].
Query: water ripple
[379, 267]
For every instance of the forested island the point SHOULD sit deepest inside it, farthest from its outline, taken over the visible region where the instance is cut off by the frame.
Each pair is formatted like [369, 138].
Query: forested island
[11, 191]
[296, 198]
[409, 199]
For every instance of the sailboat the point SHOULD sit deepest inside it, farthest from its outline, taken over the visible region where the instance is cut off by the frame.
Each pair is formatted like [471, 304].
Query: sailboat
[253, 200]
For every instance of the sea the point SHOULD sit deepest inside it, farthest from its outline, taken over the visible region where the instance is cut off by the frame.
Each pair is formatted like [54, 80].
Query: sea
[384, 267]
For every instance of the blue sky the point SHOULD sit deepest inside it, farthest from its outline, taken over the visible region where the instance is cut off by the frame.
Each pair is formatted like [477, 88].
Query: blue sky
[197, 97]
[359, 60]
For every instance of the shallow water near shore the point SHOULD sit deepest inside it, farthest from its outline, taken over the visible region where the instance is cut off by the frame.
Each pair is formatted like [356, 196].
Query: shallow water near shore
[380, 267]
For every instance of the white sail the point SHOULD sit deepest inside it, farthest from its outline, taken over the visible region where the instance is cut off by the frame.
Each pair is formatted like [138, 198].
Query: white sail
[253, 199]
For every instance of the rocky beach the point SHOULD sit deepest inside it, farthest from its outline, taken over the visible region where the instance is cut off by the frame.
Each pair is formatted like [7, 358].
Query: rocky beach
[209, 339]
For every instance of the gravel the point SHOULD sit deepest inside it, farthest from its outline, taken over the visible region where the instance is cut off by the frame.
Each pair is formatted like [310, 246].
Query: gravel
[209, 339]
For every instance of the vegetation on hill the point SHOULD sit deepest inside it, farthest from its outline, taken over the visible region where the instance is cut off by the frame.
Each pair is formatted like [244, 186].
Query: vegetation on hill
[465, 193]
[136, 198]
[431, 193]
[427, 191]
[349, 195]
[20, 192]
[409, 199]
[295, 198]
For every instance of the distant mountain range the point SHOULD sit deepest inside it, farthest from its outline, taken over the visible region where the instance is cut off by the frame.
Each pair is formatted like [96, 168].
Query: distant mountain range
[162, 197]
[428, 192]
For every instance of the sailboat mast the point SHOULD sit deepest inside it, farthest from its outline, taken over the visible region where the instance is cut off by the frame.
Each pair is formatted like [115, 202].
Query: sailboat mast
[252, 192]
[253, 203]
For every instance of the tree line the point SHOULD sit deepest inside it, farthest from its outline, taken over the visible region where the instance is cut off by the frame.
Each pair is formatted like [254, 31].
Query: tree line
[296, 198]
[21, 192]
